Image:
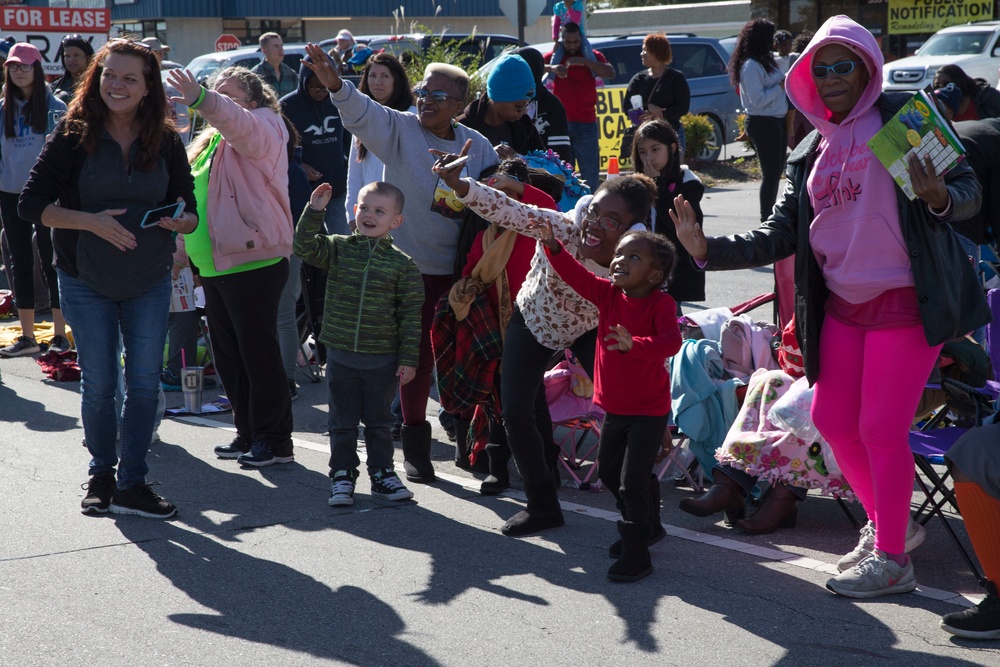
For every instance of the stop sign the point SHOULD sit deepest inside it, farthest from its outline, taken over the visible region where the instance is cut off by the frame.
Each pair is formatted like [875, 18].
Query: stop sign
[227, 42]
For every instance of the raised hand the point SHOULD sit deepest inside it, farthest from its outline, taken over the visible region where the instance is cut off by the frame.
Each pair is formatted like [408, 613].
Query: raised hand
[321, 197]
[184, 82]
[689, 233]
[323, 67]
[926, 183]
[545, 235]
[451, 177]
[621, 337]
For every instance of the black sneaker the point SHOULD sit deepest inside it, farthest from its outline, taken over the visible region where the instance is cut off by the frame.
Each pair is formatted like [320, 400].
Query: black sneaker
[232, 450]
[59, 344]
[979, 622]
[261, 455]
[293, 389]
[342, 488]
[141, 500]
[99, 489]
[386, 483]
[21, 347]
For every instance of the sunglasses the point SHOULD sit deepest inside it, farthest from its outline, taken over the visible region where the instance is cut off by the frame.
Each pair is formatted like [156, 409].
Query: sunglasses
[436, 95]
[843, 68]
[609, 224]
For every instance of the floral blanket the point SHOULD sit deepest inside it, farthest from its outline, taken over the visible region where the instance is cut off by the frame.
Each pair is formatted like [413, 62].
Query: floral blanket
[764, 450]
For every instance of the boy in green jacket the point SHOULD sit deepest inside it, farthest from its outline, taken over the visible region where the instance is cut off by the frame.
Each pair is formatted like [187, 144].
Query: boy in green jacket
[371, 329]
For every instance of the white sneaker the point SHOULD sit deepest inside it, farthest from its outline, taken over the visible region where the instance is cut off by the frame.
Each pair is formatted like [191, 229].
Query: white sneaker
[915, 535]
[874, 576]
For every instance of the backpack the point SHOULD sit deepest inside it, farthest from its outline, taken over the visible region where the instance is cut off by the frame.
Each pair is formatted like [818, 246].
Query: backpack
[746, 346]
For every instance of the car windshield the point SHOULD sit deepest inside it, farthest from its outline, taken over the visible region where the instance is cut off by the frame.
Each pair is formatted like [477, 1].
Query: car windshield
[203, 66]
[956, 43]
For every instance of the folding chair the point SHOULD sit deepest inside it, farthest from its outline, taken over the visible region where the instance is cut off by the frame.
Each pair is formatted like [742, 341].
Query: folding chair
[670, 456]
[937, 435]
[579, 418]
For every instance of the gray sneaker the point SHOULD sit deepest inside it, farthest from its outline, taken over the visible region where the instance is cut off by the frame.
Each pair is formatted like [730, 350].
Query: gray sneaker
[873, 577]
[915, 535]
[21, 347]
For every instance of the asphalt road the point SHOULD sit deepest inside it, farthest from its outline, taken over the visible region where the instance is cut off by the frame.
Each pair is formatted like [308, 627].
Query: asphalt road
[257, 570]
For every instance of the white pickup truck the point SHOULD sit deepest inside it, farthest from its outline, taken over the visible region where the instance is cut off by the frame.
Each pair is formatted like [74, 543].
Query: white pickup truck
[975, 47]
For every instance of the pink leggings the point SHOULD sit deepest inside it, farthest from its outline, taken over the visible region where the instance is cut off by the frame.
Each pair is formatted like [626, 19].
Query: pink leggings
[866, 394]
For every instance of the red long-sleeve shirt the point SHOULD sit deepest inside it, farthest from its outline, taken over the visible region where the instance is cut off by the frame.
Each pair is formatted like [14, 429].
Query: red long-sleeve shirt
[636, 382]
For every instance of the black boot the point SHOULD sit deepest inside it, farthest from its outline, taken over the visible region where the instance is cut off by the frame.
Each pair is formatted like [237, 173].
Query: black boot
[634, 563]
[543, 512]
[417, 453]
[725, 495]
[656, 531]
[462, 447]
[499, 477]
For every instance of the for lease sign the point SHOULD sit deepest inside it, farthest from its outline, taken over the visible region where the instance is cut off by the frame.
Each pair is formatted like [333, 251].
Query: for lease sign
[44, 27]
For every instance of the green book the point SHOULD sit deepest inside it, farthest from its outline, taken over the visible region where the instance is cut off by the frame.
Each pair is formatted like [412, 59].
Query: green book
[921, 129]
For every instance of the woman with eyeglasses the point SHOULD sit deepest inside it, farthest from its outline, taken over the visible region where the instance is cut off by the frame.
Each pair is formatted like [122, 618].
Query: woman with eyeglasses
[102, 182]
[240, 168]
[761, 83]
[28, 112]
[433, 214]
[881, 282]
[549, 317]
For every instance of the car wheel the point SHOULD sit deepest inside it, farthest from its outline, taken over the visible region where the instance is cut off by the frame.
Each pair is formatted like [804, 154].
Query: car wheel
[711, 153]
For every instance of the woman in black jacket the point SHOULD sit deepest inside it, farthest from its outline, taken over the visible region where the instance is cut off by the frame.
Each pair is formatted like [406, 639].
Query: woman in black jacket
[501, 114]
[663, 90]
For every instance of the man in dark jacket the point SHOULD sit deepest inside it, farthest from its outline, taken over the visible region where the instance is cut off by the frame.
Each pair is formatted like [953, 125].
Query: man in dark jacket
[549, 116]
[322, 134]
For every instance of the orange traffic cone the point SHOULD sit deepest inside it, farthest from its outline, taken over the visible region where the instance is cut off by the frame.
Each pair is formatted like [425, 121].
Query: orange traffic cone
[612, 168]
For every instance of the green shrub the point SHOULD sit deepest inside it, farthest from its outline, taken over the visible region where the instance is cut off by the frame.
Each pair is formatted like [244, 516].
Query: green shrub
[699, 134]
[438, 51]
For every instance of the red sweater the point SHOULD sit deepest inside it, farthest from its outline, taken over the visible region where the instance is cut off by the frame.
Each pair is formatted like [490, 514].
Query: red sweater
[520, 256]
[636, 382]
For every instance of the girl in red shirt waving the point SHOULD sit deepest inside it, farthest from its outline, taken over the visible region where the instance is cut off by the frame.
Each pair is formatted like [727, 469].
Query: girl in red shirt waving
[638, 322]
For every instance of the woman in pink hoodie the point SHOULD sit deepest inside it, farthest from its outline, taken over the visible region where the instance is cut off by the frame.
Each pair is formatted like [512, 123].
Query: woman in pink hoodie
[240, 169]
[881, 282]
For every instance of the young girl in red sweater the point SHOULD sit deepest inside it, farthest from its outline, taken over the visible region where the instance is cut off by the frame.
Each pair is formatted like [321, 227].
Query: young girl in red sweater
[637, 332]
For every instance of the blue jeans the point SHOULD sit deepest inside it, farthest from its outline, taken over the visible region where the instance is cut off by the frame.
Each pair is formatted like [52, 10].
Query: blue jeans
[97, 322]
[584, 137]
[360, 396]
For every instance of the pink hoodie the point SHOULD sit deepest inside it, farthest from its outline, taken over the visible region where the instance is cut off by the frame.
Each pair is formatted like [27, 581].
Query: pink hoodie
[855, 233]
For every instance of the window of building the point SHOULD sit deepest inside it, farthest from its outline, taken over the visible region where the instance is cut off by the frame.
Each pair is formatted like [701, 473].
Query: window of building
[248, 30]
[140, 29]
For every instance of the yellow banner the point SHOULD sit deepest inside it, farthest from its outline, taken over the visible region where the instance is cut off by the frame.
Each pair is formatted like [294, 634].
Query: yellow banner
[916, 16]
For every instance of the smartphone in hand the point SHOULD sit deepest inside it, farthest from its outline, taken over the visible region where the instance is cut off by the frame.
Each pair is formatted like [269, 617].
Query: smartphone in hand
[153, 215]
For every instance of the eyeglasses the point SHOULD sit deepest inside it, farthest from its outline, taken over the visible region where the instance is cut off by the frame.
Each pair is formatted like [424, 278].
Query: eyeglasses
[843, 68]
[436, 95]
[610, 224]
[19, 67]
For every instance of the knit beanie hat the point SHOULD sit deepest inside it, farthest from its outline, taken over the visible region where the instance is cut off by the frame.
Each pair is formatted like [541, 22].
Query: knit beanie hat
[511, 80]
[950, 96]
